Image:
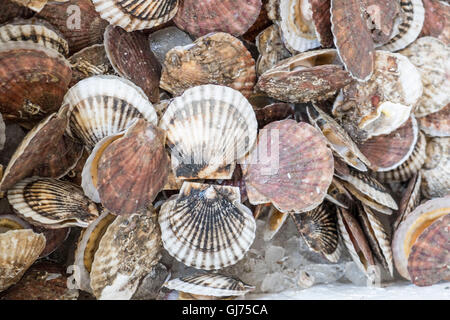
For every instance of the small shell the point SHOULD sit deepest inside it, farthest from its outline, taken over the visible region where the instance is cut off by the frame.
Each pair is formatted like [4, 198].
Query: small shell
[436, 170]
[436, 124]
[206, 226]
[138, 15]
[51, 203]
[437, 20]
[210, 284]
[20, 249]
[162, 41]
[209, 128]
[428, 262]
[217, 58]
[200, 17]
[410, 199]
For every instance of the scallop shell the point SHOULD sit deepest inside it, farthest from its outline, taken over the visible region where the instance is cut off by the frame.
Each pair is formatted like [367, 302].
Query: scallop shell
[127, 252]
[129, 181]
[275, 220]
[436, 171]
[299, 171]
[55, 238]
[412, 227]
[209, 128]
[227, 227]
[210, 284]
[103, 105]
[162, 41]
[413, 16]
[2, 133]
[33, 80]
[20, 249]
[295, 79]
[410, 199]
[436, 124]
[432, 59]
[138, 15]
[132, 58]
[338, 194]
[428, 262]
[437, 20]
[217, 58]
[200, 17]
[321, 16]
[11, 10]
[51, 203]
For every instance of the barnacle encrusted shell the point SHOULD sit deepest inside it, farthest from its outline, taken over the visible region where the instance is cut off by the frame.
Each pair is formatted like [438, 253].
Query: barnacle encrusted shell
[129, 181]
[20, 249]
[386, 100]
[200, 17]
[210, 285]
[436, 170]
[103, 105]
[131, 57]
[206, 226]
[297, 174]
[313, 75]
[129, 249]
[412, 227]
[429, 260]
[437, 20]
[410, 199]
[432, 59]
[136, 15]
[33, 80]
[436, 124]
[51, 203]
[217, 58]
[208, 128]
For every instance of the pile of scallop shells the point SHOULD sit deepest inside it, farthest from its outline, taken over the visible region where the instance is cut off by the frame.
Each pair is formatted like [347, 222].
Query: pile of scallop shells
[133, 131]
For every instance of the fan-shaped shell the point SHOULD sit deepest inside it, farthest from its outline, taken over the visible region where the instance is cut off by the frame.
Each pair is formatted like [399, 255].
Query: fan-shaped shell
[51, 203]
[206, 226]
[436, 170]
[436, 124]
[299, 171]
[100, 106]
[200, 17]
[217, 58]
[209, 128]
[137, 15]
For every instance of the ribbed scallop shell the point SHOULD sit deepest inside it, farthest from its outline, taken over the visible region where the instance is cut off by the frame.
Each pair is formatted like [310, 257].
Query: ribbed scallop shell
[436, 124]
[100, 106]
[436, 170]
[206, 226]
[299, 170]
[51, 203]
[217, 58]
[127, 252]
[209, 128]
[20, 249]
[429, 260]
[322, 21]
[210, 284]
[410, 199]
[200, 17]
[413, 16]
[136, 15]
[432, 59]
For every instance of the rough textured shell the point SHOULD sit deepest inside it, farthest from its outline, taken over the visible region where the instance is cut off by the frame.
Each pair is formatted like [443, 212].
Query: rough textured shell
[217, 58]
[321, 16]
[136, 15]
[104, 105]
[210, 284]
[410, 199]
[20, 248]
[436, 170]
[52, 203]
[437, 20]
[227, 227]
[200, 17]
[299, 171]
[436, 124]
[208, 128]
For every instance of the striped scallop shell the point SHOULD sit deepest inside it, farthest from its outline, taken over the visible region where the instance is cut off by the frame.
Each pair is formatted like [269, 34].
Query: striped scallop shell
[100, 106]
[51, 203]
[413, 16]
[436, 124]
[2, 133]
[206, 226]
[210, 284]
[436, 170]
[19, 250]
[136, 15]
[208, 128]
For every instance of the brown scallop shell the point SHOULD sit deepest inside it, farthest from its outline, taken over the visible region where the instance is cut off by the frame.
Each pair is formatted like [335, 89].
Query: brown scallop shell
[274, 112]
[429, 259]
[437, 20]
[131, 57]
[133, 169]
[200, 17]
[436, 124]
[321, 16]
[11, 10]
[78, 21]
[410, 199]
[300, 169]
[54, 239]
[217, 58]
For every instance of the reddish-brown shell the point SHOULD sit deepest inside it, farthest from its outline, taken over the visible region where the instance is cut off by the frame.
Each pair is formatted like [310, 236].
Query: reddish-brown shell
[11, 10]
[261, 23]
[429, 258]
[322, 21]
[299, 171]
[274, 112]
[133, 169]
[200, 17]
[217, 58]
[436, 124]
[437, 20]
